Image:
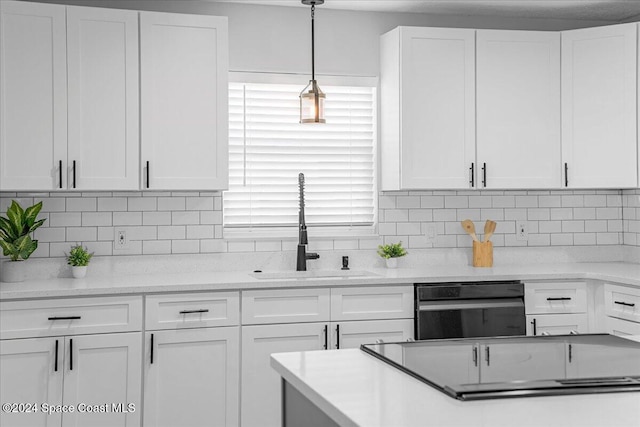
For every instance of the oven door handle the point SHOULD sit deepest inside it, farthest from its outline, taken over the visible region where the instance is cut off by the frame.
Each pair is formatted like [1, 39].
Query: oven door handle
[470, 304]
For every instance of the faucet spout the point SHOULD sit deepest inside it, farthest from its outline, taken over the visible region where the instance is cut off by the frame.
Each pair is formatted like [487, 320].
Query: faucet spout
[303, 241]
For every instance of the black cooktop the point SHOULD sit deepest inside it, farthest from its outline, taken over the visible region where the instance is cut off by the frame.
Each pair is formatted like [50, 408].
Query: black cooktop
[489, 368]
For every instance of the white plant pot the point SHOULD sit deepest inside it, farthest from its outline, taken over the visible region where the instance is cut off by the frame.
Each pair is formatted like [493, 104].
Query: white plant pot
[12, 271]
[392, 262]
[78, 272]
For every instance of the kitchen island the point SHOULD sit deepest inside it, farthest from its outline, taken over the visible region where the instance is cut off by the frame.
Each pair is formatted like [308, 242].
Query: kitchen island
[352, 388]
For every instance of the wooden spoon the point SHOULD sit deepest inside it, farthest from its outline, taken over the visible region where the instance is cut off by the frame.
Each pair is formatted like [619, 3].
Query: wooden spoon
[489, 228]
[468, 226]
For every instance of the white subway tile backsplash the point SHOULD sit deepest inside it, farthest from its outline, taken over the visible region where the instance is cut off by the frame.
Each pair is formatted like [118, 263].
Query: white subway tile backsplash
[191, 222]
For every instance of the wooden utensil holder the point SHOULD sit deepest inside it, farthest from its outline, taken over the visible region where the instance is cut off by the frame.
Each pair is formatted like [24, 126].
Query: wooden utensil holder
[482, 254]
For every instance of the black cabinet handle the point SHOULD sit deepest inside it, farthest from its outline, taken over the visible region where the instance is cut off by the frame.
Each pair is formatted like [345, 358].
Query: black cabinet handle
[628, 304]
[55, 363]
[471, 169]
[535, 330]
[559, 299]
[60, 173]
[74, 174]
[152, 349]
[487, 355]
[71, 354]
[338, 336]
[64, 318]
[484, 174]
[566, 174]
[202, 310]
[326, 337]
[570, 353]
[147, 173]
[475, 356]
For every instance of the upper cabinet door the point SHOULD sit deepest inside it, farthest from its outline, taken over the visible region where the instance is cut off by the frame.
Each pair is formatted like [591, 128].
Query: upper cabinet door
[184, 65]
[599, 145]
[33, 96]
[102, 57]
[428, 108]
[518, 104]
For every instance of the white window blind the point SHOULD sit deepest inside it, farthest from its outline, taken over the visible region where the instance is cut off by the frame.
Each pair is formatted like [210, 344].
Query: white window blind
[268, 148]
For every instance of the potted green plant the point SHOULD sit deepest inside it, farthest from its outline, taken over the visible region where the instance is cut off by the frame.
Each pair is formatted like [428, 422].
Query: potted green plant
[391, 253]
[78, 259]
[15, 239]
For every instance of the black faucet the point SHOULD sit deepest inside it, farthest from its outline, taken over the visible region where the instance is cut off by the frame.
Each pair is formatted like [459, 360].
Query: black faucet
[303, 256]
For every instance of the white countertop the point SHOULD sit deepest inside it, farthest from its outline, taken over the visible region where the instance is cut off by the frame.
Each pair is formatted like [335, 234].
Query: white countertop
[625, 273]
[356, 389]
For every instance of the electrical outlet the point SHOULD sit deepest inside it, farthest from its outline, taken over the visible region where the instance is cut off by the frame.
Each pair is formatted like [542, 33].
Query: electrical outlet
[121, 240]
[431, 233]
[522, 231]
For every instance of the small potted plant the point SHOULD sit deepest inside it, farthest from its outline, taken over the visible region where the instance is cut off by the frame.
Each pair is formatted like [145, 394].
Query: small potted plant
[16, 241]
[391, 253]
[78, 259]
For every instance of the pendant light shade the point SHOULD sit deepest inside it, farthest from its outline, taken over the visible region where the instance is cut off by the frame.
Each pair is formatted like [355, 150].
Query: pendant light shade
[311, 97]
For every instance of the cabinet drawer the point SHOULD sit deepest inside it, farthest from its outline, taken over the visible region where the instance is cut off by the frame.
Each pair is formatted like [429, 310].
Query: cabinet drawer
[555, 297]
[557, 324]
[194, 310]
[621, 327]
[39, 318]
[622, 302]
[285, 306]
[370, 303]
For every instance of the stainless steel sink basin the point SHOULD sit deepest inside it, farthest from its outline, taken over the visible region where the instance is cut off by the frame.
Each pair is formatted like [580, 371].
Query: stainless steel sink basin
[313, 274]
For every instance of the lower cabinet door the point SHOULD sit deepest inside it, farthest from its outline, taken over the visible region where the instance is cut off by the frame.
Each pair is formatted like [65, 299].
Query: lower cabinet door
[355, 333]
[557, 324]
[102, 379]
[192, 377]
[29, 375]
[261, 385]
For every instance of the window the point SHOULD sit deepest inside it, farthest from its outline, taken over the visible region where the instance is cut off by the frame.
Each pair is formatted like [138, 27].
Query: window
[268, 148]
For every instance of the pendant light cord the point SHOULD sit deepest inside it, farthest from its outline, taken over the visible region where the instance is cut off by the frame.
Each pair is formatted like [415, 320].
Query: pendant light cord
[313, 44]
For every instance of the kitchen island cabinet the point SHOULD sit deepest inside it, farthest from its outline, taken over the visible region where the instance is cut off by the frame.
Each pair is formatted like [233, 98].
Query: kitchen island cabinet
[351, 388]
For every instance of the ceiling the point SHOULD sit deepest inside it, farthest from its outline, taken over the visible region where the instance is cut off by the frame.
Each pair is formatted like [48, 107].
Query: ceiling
[596, 10]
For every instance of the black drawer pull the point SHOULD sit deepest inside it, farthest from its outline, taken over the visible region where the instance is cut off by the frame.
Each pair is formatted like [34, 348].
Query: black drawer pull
[627, 304]
[71, 354]
[64, 318]
[559, 299]
[202, 310]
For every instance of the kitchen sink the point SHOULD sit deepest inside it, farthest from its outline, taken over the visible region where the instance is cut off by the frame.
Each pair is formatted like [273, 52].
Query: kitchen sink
[313, 274]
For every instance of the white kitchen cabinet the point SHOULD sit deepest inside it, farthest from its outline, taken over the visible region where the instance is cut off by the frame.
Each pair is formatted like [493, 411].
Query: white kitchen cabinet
[184, 120]
[615, 326]
[103, 370]
[556, 308]
[599, 117]
[33, 96]
[518, 109]
[355, 333]
[372, 302]
[103, 126]
[76, 350]
[31, 371]
[261, 396]
[192, 377]
[458, 362]
[428, 109]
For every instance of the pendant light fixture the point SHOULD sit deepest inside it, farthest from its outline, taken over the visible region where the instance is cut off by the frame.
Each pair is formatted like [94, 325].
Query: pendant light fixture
[311, 97]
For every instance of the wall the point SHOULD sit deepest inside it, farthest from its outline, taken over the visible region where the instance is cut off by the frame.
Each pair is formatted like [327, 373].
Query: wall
[631, 217]
[191, 222]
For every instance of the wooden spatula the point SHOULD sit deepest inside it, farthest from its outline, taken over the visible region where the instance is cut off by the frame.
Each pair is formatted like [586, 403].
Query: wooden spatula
[468, 226]
[489, 228]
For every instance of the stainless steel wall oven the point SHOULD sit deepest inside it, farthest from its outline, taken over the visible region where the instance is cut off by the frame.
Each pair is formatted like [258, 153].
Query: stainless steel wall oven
[466, 310]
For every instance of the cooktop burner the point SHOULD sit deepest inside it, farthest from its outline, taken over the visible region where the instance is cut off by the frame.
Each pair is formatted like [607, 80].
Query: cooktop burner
[488, 368]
